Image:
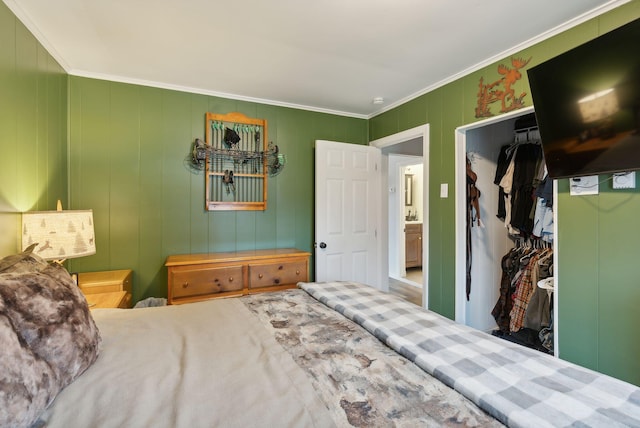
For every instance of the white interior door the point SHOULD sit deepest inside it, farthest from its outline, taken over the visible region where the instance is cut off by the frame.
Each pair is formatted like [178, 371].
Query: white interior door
[348, 213]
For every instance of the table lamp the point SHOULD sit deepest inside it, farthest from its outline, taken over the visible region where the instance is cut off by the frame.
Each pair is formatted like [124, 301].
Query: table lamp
[59, 235]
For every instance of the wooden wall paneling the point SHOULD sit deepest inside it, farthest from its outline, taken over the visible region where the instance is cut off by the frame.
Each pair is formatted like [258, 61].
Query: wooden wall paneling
[290, 131]
[8, 78]
[56, 134]
[412, 113]
[302, 173]
[452, 101]
[40, 162]
[176, 129]
[26, 103]
[436, 258]
[199, 222]
[265, 221]
[9, 216]
[578, 306]
[384, 124]
[222, 224]
[149, 271]
[124, 176]
[91, 187]
[618, 292]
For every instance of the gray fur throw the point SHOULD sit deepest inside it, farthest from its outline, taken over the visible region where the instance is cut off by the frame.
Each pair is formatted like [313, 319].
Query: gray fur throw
[47, 334]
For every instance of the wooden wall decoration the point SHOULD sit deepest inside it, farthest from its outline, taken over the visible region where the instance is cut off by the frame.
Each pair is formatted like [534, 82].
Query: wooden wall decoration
[236, 165]
[501, 90]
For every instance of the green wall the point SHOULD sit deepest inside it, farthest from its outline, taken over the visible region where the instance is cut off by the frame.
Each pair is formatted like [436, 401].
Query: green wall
[598, 236]
[33, 116]
[128, 146]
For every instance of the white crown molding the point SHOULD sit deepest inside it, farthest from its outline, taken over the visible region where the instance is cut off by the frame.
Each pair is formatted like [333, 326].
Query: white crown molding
[505, 54]
[199, 91]
[14, 6]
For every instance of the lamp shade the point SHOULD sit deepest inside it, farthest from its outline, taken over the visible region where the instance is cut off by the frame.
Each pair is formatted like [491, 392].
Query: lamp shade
[59, 234]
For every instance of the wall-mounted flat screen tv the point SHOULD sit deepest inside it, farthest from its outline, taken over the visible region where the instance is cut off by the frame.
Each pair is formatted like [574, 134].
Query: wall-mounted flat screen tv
[587, 104]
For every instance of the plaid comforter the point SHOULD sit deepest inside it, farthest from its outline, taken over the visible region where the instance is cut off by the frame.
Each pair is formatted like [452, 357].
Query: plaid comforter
[518, 386]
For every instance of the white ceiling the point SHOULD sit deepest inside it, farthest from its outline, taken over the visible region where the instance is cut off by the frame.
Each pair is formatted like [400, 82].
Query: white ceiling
[323, 55]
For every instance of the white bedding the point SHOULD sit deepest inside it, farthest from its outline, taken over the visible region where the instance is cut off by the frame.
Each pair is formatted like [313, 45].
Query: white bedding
[167, 381]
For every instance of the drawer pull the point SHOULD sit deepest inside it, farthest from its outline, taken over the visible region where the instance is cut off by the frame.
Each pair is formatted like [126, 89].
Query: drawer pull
[260, 276]
[230, 279]
[276, 281]
[185, 285]
[280, 267]
[297, 272]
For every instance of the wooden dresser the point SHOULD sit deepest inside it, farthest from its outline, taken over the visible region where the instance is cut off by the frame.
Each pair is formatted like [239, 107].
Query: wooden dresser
[195, 277]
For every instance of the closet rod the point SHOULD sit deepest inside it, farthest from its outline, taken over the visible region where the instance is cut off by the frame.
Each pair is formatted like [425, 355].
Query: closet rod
[528, 129]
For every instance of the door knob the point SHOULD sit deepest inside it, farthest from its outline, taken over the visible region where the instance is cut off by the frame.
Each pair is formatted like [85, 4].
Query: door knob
[323, 245]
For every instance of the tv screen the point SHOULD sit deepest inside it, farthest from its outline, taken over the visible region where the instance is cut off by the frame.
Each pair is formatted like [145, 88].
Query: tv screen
[587, 104]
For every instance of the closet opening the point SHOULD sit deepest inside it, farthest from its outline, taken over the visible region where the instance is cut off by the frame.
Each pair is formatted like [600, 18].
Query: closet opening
[505, 275]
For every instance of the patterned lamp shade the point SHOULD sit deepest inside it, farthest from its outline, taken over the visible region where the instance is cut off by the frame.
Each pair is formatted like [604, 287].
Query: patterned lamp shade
[59, 234]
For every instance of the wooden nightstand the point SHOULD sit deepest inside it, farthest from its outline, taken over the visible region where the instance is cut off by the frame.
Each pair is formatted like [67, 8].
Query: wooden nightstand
[115, 299]
[107, 289]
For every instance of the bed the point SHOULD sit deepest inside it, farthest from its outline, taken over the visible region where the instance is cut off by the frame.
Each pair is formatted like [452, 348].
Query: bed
[326, 354]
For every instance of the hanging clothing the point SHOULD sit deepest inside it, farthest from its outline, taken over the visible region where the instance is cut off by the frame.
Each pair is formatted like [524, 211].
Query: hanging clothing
[506, 183]
[526, 164]
[519, 170]
[546, 334]
[504, 304]
[543, 217]
[543, 221]
[501, 169]
[522, 295]
[519, 305]
[473, 216]
[538, 314]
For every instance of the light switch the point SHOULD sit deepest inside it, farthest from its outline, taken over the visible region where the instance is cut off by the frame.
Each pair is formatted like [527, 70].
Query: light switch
[444, 190]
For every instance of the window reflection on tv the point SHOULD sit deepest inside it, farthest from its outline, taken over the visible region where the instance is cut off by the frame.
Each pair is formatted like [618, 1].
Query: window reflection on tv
[587, 104]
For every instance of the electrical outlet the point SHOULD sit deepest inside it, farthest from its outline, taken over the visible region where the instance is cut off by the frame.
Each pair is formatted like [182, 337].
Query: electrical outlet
[587, 185]
[625, 180]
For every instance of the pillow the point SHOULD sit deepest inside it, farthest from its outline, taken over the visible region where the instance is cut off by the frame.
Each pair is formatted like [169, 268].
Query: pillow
[48, 337]
[26, 261]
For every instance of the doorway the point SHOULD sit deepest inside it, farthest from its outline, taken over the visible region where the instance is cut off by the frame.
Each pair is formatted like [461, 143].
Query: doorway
[480, 142]
[411, 145]
[405, 209]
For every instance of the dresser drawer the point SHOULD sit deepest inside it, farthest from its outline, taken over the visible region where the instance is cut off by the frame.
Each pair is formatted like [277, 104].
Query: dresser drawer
[281, 273]
[189, 281]
[105, 282]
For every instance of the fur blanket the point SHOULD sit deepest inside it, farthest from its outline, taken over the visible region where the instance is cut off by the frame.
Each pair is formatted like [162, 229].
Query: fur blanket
[47, 333]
